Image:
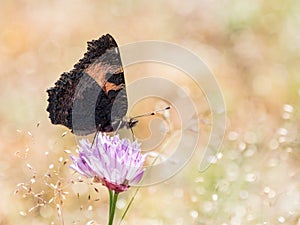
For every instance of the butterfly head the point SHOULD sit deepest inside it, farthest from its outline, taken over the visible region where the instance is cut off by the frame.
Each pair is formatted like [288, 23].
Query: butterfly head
[132, 122]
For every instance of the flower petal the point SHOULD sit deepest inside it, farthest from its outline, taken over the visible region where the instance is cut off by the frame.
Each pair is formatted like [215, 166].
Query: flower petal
[117, 162]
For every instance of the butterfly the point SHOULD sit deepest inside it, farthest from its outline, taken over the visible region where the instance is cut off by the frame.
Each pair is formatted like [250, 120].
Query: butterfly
[92, 96]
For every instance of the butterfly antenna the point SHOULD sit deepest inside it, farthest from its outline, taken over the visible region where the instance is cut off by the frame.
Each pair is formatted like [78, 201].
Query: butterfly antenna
[152, 113]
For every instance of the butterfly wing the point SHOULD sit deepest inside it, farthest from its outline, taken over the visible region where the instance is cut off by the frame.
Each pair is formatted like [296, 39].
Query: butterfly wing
[92, 96]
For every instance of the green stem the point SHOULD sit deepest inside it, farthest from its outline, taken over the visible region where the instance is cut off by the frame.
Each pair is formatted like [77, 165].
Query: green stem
[113, 197]
[110, 201]
[129, 204]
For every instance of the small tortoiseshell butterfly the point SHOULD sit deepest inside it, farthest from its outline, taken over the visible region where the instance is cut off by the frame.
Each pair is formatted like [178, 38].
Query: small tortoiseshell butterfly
[92, 96]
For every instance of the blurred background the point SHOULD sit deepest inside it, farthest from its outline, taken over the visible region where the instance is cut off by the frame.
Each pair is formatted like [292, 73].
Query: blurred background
[252, 47]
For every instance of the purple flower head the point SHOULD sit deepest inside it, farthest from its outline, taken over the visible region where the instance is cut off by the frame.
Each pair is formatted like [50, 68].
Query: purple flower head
[116, 163]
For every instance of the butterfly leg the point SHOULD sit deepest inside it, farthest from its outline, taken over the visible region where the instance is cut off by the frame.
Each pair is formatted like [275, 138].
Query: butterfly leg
[118, 128]
[95, 137]
[133, 137]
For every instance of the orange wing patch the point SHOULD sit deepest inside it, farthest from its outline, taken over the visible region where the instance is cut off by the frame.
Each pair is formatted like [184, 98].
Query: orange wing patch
[111, 86]
[98, 71]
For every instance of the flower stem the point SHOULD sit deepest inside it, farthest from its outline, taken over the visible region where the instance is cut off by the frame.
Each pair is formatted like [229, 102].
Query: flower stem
[110, 202]
[113, 197]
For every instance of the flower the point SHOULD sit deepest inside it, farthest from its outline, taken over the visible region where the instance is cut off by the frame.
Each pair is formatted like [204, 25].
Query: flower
[116, 163]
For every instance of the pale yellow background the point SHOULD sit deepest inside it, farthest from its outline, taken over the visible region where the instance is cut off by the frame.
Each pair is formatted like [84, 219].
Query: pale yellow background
[252, 47]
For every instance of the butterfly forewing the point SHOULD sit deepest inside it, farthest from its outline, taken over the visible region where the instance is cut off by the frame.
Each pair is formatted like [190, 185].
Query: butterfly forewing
[91, 97]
